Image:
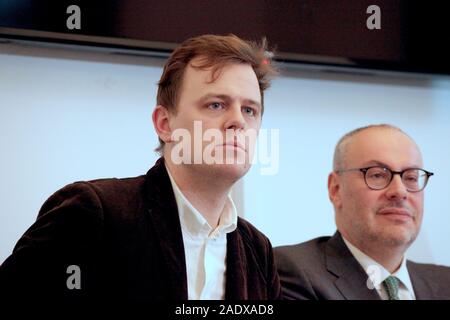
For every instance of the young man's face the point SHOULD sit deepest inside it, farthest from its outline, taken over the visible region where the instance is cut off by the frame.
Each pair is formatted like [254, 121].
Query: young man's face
[232, 102]
[387, 217]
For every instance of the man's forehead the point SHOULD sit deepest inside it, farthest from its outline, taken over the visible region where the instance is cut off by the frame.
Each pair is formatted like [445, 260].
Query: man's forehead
[235, 77]
[381, 137]
[383, 145]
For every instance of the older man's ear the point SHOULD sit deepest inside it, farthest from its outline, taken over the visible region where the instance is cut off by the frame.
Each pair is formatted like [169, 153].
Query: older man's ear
[334, 189]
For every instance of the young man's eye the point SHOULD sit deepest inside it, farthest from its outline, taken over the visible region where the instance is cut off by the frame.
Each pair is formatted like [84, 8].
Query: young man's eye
[249, 111]
[215, 106]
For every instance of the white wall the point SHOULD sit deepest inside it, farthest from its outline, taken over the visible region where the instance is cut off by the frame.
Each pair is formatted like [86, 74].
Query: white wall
[68, 115]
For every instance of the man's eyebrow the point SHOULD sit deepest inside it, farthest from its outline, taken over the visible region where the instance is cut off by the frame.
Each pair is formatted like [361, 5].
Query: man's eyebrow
[228, 98]
[252, 102]
[215, 95]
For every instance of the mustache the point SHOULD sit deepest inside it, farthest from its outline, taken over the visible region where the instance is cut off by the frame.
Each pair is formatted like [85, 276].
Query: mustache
[396, 205]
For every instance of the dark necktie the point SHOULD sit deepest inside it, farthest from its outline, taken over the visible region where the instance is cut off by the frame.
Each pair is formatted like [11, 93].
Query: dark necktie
[391, 285]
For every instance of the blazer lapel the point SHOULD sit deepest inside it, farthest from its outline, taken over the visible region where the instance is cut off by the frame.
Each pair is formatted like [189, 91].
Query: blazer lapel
[165, 222]
[352, 279]
[236, 276]
[423, 290]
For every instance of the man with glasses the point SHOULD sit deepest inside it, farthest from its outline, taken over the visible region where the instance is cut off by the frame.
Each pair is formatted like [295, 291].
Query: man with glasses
[376, 188]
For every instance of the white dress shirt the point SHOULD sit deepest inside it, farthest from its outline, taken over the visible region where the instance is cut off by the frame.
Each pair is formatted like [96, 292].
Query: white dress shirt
[205, 248]
[377, 274]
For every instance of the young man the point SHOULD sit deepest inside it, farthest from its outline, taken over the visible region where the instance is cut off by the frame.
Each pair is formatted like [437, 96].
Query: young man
[376, 188]
[174, 232]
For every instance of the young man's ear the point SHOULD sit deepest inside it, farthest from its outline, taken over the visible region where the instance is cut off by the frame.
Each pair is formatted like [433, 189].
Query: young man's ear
[161, 117]
[334, 189]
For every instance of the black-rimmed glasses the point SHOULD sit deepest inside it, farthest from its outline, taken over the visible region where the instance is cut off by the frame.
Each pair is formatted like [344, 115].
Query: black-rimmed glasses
[377, 177]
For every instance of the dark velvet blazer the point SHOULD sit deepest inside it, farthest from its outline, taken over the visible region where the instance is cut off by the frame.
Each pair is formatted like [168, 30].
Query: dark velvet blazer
[325, 269]
[125, 236]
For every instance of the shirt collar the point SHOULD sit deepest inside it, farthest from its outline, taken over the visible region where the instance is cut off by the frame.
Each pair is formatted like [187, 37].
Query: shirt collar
[376, 272]
[195, 223]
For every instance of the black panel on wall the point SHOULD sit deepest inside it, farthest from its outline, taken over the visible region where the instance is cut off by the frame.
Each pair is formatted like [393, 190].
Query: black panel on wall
[412, 37]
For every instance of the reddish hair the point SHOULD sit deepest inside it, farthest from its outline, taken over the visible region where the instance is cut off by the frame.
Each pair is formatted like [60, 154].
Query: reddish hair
[215, 52]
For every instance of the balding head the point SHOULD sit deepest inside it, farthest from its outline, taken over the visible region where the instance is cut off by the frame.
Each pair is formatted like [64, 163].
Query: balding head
[340, 152]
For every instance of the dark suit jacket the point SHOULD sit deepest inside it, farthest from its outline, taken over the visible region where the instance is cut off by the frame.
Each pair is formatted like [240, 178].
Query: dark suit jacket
[125, 236]
[325, 269]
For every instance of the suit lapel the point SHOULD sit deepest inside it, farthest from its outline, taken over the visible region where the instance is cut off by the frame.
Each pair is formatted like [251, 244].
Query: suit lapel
[165, 223]
[351, 278]
[236, 276]
[423, 290]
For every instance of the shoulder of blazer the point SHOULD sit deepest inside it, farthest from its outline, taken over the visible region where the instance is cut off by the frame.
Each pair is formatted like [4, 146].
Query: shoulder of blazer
[304, 255]
[429, 271]
[429, 281]
[118, 198]
[115, 189]
[93, 203]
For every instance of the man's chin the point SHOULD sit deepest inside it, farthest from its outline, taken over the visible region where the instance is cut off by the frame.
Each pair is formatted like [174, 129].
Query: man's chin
[399, 236]
[232, 171]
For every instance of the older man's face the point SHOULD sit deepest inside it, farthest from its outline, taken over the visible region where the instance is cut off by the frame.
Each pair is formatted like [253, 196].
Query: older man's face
[391, 216]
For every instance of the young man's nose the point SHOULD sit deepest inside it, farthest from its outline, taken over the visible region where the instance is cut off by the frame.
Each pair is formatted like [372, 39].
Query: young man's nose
[234, 118]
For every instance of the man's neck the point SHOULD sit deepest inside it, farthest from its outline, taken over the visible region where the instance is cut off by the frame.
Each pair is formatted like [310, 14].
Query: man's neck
[206, 193]
[389, 257]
